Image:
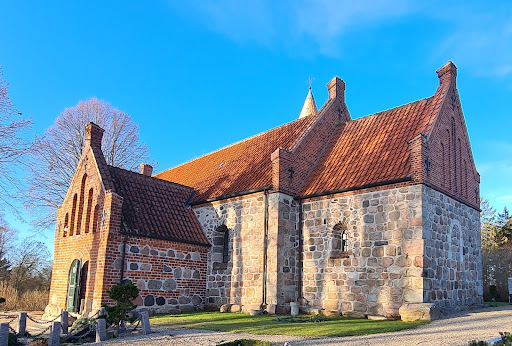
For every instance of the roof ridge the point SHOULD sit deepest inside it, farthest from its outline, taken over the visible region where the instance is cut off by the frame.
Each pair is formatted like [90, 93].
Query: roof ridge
[151, 177]
[232, 144]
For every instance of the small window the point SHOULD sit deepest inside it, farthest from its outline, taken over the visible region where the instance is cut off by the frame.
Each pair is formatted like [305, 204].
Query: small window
[225, 247]
[339, 240]
[221, 245]
[344, 241]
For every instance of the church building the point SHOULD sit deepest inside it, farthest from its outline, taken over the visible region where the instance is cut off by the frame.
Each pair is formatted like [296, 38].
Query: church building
[360, 217]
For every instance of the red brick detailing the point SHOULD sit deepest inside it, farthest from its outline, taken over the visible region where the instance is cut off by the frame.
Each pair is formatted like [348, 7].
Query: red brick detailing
[452, 168]
[291, 169]
[146, 169]
[93, 135]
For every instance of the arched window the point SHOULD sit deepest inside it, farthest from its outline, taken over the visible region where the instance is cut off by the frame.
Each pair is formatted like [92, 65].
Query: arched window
[66, 221]
[95, 219]
[73, 213]
[339, 240]
[81, 205]
[89, 209]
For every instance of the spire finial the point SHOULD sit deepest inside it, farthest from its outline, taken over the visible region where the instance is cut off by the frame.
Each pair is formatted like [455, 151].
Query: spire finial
[310, 81]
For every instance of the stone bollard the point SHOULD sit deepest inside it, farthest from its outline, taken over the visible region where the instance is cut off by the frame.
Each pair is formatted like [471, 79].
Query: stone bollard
[144, 318]
[4, 334]
[22, 323]
[64, 319]
[101, 329]
[54, 334]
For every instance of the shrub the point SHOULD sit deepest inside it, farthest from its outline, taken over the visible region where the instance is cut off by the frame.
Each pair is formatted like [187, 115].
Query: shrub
[123, 294]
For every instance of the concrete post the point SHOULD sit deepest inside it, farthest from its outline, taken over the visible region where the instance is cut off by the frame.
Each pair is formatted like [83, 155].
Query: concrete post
[64, 319]
[22, 323]
[54, 334]
[101, 329]
[4, 334]
[144, 318]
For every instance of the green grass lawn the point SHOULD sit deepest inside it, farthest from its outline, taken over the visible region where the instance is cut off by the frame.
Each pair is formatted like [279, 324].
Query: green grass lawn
[264, 324]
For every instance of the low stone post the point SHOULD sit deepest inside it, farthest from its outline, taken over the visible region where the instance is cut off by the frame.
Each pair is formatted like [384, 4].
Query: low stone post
[144, 318]
[4, 334]
[101, 329]
[64, 319]
[54, 334]
[22, 323]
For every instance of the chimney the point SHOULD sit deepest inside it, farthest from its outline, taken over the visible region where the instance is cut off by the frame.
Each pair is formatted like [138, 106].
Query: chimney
[447, 73]
[93, 135]
[146, 169]
[336, 88]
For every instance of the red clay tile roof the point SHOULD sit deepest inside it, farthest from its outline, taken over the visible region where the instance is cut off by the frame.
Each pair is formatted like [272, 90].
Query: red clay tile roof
[242, 166]
[369, 150]
[156, 208]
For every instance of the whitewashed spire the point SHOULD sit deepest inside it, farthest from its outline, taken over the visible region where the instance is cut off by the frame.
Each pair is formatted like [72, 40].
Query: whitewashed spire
[309, 107]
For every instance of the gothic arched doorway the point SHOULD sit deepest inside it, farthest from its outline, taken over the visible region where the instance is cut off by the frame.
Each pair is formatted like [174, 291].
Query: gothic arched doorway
[73, 286]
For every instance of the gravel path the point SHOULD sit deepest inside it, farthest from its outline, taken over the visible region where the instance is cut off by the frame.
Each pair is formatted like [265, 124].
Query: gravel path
[480, 324]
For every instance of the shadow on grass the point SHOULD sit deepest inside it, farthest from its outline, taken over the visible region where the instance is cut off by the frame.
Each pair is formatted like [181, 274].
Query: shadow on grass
[261, 325]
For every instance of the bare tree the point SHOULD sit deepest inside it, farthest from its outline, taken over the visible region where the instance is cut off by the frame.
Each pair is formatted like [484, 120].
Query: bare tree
[55, 155]
[31, 268]
[13, 144]
[7, 236]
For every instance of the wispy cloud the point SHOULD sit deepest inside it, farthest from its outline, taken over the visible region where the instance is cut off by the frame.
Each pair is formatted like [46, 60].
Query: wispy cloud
[292, 24]
[475, 35]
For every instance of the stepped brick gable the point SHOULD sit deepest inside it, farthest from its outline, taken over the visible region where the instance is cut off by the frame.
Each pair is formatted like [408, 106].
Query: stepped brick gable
[377, 215]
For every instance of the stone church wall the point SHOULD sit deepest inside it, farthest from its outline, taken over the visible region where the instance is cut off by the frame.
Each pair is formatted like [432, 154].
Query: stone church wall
[453, 258]
[240, 280]
[382, 268]
[171, 276]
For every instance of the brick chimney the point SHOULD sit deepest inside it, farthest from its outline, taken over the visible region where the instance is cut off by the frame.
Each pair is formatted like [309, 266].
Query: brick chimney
[146, 169]
[336, 88]
[93, 135]
[447, 73]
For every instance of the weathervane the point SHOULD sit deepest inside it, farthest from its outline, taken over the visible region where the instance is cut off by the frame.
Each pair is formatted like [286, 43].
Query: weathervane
[310, 81]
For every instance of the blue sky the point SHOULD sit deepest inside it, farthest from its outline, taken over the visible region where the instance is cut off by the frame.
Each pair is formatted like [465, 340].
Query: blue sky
[199, 75]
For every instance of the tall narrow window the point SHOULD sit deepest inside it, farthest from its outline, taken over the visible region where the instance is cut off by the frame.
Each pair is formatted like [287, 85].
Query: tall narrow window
[73, 213]
[81, 205]
[225, 247]
[66, 224]
[344, 241]
[95, 219]
[89, 209]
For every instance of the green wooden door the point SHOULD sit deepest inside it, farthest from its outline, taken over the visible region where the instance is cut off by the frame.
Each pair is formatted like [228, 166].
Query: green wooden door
[73, 286]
